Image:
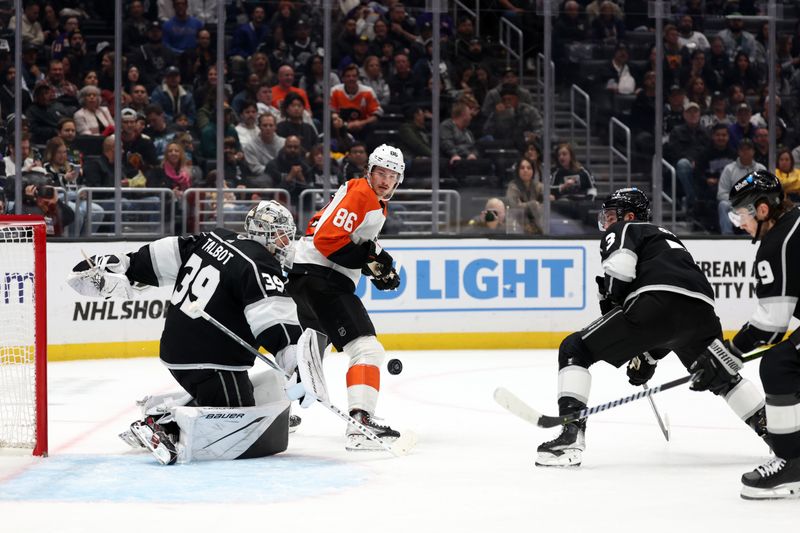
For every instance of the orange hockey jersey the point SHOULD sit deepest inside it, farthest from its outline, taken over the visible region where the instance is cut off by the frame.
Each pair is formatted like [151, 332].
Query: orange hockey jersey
[354, 215]
[357, 106]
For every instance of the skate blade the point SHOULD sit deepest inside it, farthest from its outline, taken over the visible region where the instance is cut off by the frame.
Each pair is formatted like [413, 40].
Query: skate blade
[360, 443]
[132, 440]
[568, 458]
[159, 450]
[787, 491]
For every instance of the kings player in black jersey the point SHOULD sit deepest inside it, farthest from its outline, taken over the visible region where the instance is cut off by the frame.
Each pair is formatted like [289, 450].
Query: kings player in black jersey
[655, 300]
[237, 279]
[758, 206]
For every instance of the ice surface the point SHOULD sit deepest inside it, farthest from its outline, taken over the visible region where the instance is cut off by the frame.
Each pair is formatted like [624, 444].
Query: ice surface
[472, 470]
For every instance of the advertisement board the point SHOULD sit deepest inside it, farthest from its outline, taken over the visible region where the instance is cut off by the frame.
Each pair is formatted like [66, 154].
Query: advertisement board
[475, 293]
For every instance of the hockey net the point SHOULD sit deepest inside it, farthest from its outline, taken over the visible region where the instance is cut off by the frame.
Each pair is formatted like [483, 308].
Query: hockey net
[23, 337]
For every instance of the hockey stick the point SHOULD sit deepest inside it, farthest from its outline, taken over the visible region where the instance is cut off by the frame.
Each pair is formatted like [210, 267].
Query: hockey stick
[663, 424]
[398, 448]
[515, 406]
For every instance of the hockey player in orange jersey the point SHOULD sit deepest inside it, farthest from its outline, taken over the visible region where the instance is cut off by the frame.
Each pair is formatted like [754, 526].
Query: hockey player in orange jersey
[339, 245]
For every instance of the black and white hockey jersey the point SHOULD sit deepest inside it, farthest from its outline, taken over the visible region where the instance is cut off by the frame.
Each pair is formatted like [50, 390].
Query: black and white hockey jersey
[639, 257]
[236, 280]
[777, 273]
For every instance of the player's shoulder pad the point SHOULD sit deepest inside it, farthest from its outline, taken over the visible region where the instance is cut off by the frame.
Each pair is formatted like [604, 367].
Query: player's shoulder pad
[362, 188]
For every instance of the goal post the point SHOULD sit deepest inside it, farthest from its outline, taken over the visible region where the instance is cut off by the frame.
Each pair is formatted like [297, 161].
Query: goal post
[23, 333]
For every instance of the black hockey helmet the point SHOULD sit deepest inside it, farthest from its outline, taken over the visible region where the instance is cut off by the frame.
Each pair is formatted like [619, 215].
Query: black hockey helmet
[756, 187]
[621, 201]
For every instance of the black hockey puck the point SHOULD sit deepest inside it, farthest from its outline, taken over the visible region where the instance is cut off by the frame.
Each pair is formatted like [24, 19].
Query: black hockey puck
[395, 366]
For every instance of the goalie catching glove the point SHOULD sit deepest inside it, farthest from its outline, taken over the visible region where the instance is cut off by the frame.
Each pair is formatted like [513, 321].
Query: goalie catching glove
[379, 266]
[102, 276]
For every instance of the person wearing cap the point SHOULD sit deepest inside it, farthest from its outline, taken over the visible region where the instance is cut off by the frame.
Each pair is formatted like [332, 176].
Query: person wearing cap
[686, 144]
[358, 55]
[736, 38]
[512, 120]
[759, 207]
[172, 97]
[509, 77]
[93, 117]
[745, 164]
[180, 32]
[134, 143]
[153, 57]
[673, 110]
[742, 128]
[717, 112]
[303, 47]
[617, 76]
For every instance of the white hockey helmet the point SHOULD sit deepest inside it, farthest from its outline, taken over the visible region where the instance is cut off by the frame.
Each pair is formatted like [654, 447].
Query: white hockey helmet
[272, 225]
[390, 158]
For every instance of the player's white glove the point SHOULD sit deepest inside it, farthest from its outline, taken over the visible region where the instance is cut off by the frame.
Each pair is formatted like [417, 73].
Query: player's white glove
[102, 276]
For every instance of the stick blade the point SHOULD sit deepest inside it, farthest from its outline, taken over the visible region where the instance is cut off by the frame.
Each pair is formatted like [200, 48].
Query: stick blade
[511, 403]
[667, 429]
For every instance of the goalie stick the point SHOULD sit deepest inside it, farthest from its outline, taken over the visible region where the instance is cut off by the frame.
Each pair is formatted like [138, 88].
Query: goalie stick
[398, 448]
[509, 401]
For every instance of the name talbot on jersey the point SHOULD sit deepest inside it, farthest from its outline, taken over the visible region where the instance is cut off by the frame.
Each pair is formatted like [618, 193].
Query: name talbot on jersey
[119, 310]
[220, 252]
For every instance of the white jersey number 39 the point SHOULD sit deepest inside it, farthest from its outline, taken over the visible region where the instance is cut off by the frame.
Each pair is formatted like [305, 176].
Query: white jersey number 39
[764, 272]
[200, 282]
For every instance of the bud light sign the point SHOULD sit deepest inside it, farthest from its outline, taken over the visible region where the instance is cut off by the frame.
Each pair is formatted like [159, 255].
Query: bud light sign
[482, 278]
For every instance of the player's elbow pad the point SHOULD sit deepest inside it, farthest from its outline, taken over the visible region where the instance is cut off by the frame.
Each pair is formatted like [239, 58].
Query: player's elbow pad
[351, 255]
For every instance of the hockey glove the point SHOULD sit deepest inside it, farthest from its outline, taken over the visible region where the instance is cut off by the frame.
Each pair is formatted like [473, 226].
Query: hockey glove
[641, 368]
[378, 263]
[388, 282]
[715, 369]
[603, 297]
[102, 276]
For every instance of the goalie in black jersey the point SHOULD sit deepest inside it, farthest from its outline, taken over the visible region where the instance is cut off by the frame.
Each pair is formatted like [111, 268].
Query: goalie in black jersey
[758, 206]
[237, 279]
[654, 300]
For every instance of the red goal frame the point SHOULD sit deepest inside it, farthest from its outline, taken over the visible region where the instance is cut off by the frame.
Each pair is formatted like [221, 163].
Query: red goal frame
[40, 304]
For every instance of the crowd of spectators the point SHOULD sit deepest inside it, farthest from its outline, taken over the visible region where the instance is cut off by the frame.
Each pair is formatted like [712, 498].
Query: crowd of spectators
[380, 91]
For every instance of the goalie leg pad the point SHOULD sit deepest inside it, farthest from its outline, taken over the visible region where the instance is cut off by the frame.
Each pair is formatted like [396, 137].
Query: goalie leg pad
[161, 404]
[364, 375]
[213, 433]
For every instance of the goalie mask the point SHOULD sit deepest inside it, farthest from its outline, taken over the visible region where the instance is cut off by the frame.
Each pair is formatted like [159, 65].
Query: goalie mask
[390, 158]
[272, 225]
[623, 201]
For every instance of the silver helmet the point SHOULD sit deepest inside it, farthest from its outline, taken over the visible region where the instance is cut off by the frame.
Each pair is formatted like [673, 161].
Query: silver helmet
[271, 224]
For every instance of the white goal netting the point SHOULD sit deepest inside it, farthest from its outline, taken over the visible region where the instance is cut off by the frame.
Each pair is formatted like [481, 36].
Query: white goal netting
[17, 336]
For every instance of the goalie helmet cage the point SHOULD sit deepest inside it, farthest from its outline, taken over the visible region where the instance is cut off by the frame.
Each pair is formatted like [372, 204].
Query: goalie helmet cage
[23, 341]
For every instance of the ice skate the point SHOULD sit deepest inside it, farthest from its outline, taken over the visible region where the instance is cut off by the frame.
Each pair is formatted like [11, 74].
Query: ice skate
[132, 440]
[357, 441]
[775, 480]
[154, 438]
[566, 449]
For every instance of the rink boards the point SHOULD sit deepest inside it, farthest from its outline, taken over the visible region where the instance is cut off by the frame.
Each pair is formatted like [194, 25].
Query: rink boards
[455, 294]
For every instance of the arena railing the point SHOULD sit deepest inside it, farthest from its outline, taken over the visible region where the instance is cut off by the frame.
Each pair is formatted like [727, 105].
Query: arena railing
[615, 124]
[672, 200]
[576, 92]
[147, 212]
[199, 207]
[507, 30]
[472, 12]
[411, 208]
